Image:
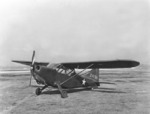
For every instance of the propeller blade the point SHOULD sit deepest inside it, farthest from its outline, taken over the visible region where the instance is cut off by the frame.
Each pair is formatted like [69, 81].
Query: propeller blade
[33, 58]
[32, 67]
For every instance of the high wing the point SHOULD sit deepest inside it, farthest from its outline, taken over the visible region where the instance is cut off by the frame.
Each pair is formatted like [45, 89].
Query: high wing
[102, 64]
[29, 63]
[90, 65]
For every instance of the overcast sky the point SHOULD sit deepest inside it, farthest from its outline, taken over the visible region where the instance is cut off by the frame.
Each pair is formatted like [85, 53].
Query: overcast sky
[74, 30]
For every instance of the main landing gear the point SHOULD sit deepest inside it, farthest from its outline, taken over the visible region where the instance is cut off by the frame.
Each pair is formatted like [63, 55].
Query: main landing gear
[62, 92]
[38, 91]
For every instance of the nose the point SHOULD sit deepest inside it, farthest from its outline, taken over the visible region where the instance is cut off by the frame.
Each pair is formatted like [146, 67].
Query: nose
[37, 67]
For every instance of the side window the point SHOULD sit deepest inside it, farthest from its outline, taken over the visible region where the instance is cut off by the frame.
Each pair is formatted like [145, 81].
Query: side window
[59, 70]
[62, 71]
[68, 72]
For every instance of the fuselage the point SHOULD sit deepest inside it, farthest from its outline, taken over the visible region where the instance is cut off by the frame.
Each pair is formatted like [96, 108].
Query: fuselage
[48, 76]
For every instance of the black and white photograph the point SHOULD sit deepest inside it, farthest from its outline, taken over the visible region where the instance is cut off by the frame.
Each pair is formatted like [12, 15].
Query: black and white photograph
[74, 57]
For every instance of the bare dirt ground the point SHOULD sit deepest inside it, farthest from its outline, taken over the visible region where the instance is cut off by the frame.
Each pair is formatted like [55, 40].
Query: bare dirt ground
[130, 95]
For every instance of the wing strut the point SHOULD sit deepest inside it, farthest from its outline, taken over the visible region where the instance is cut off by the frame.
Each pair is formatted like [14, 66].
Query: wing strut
[76, 74]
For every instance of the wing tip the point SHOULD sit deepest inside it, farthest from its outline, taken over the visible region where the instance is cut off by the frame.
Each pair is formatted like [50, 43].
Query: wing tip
[135, 63]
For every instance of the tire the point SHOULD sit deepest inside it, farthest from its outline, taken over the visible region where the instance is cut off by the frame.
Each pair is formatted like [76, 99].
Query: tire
[64, 94]
[38, 91]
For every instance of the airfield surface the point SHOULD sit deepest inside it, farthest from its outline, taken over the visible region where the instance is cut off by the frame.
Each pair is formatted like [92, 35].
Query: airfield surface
[129, 95]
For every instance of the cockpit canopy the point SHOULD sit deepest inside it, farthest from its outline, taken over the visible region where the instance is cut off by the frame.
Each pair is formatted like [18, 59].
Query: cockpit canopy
[60, 68]
[53, 65]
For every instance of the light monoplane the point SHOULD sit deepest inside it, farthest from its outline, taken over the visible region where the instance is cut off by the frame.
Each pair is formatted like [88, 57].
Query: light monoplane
[63, 75]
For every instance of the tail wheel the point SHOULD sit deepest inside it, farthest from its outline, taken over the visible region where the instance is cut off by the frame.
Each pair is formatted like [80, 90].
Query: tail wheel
[38, 91]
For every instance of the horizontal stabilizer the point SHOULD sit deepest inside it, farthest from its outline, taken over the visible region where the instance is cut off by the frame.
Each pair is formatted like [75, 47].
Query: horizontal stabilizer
[107, 83]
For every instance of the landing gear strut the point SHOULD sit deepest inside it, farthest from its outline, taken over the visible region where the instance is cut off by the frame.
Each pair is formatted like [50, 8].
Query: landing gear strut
[62, 92]
[38, 91]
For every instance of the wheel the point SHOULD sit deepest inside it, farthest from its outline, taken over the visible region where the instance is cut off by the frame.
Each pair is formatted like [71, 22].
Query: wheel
[64, 94]
[38, 91]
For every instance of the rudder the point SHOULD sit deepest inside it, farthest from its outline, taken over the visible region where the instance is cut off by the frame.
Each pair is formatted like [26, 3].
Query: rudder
[93, 75]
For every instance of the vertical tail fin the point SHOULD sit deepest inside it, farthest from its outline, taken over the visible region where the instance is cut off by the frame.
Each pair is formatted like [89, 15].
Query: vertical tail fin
[92, 75]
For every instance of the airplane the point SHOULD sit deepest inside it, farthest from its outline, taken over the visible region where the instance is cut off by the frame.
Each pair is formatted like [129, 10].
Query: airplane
[63, 75]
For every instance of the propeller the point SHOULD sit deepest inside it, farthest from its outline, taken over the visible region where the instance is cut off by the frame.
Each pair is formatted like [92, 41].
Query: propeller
[32, 67]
